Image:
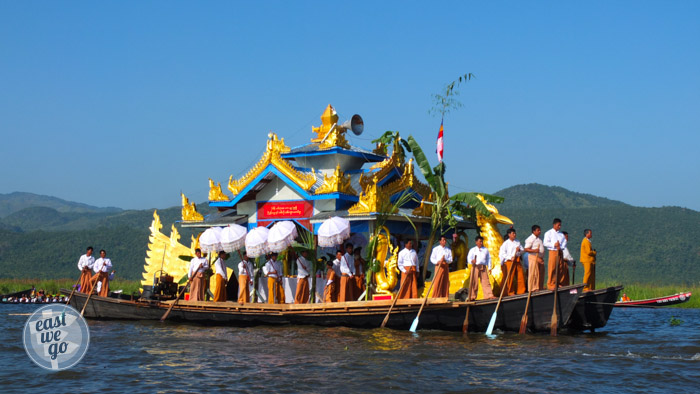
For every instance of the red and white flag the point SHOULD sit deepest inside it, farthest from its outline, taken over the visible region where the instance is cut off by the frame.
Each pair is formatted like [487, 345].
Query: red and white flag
[440, 144]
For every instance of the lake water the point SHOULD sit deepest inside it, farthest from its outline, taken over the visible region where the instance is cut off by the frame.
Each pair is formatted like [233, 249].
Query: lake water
[638, 351]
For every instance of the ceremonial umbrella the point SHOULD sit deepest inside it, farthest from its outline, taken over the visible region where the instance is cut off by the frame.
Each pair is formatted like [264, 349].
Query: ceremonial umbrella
[210, 240]
[233, 237]
[256, 242]
[358, 240]
[281, 236]
[333, 231]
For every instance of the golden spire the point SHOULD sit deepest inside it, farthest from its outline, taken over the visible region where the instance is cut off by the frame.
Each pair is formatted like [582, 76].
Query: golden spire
[329, 134]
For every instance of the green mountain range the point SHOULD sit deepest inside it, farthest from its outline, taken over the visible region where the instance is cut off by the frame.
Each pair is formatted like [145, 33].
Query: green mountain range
[42, 237]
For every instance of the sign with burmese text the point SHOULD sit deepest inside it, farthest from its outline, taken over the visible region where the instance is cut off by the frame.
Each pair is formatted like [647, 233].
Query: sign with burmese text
[285, 210]
[56, 337]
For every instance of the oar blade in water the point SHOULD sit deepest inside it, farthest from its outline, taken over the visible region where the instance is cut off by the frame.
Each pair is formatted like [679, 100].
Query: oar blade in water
[492, 323]
[414, 325]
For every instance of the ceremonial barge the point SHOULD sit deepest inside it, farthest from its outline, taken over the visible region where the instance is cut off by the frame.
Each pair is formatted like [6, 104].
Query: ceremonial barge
[378, 194]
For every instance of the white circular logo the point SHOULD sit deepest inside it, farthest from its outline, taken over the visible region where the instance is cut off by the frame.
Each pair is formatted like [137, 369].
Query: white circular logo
[56, 337]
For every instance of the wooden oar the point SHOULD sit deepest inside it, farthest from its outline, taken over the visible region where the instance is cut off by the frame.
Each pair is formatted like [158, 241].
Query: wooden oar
[523, 321]
[75, 286]
[92, 287]
[165, 315]
[465, 325]
[489, 330]
[414, 325]
[386, 318]
[555, 314]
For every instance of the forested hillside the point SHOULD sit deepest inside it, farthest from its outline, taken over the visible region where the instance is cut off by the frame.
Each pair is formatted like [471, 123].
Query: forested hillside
[635, 245]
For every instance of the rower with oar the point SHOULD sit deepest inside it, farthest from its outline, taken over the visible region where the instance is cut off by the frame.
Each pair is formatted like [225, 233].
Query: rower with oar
[85, 264]
[510, 260]
[198, 266]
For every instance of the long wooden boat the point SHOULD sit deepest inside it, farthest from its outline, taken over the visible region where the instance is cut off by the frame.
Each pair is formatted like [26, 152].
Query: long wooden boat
[439, 313]
[593, 309]
[674, 299]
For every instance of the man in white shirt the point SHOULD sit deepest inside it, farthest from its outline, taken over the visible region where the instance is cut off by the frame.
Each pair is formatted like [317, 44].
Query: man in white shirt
[510, 262]
[535, 250]
[195, 274]
[85, 264]
[347, 272]
[408, 264]
[273, 270]
[441, 257]
[569, 260]
[245, 279]
[480, 261]
[555, 242]
[102, 275]
[221, 277]
[303, 268]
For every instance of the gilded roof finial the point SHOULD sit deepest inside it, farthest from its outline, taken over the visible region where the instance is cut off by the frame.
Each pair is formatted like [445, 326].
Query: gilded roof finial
[329, 135]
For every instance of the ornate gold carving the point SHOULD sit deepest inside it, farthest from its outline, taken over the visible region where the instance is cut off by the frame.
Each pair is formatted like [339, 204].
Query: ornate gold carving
[407, 180]
[425, 208]
[386, 281]
[380, 149]
[189, 211]
[368, 202]
[272, 155]
[385, 166]
[215, 193]
[329, 134]
[338, 182]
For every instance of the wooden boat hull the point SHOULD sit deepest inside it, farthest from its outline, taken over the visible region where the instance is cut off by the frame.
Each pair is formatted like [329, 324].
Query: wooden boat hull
[659, 301]
[439, 313]
[593, 309]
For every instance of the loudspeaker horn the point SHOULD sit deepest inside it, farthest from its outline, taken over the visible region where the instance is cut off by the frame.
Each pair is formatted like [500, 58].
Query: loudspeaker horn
[356, 124]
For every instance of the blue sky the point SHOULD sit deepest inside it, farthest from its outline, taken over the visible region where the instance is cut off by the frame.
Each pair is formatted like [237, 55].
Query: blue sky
[125, 103]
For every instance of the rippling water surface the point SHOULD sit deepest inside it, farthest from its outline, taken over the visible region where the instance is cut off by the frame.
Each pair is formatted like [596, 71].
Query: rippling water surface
[638, 351]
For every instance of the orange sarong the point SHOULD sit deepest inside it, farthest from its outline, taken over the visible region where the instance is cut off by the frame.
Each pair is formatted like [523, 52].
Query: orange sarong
[441, 287]
[409, 284]
[302, 294]
[275, 291]
[516, 280]
[220, 294]
[85, 276]
[346, 289]
[243, 294]
[197, 287]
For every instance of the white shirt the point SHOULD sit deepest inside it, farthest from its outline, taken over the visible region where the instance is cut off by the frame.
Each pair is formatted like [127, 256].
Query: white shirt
[86, 262]
[533, 242]
[245, 267]
[568, 257]
[347, 265]
[303, 267]
[273, 269]
[551, 237]
[440, 251]
[509, 249]
[220, 268]
[102, 265]
[408, 258]
[336, 266]
[194, 263]
[482, 256]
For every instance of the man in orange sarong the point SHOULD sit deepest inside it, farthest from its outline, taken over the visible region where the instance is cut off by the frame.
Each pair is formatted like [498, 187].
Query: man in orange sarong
[480, 259]
[510, 262]
[85, 264]
[347, 278]
[441, 257]
[221, 277]
[303, 267]
[245, 279]
[330, 293]
[100, 281]
[555, 242]
[535, 259]
[274, 273]
[588, 258]
[198, 265]
[408, 265]
[359, 272]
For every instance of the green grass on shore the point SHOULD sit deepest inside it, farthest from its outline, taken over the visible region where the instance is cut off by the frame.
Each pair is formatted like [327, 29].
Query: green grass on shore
[53, 286]
[641, 292]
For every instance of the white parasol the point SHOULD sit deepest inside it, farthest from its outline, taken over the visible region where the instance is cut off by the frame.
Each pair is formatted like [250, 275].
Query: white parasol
[281, 236]
[233, 237]
[256, 242]
[333, 232]
[210, 240]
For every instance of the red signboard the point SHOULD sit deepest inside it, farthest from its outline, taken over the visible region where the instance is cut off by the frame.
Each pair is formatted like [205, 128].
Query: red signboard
[285, 210]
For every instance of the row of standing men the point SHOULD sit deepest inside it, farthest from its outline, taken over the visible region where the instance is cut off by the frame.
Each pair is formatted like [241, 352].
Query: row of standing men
[95, 274]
